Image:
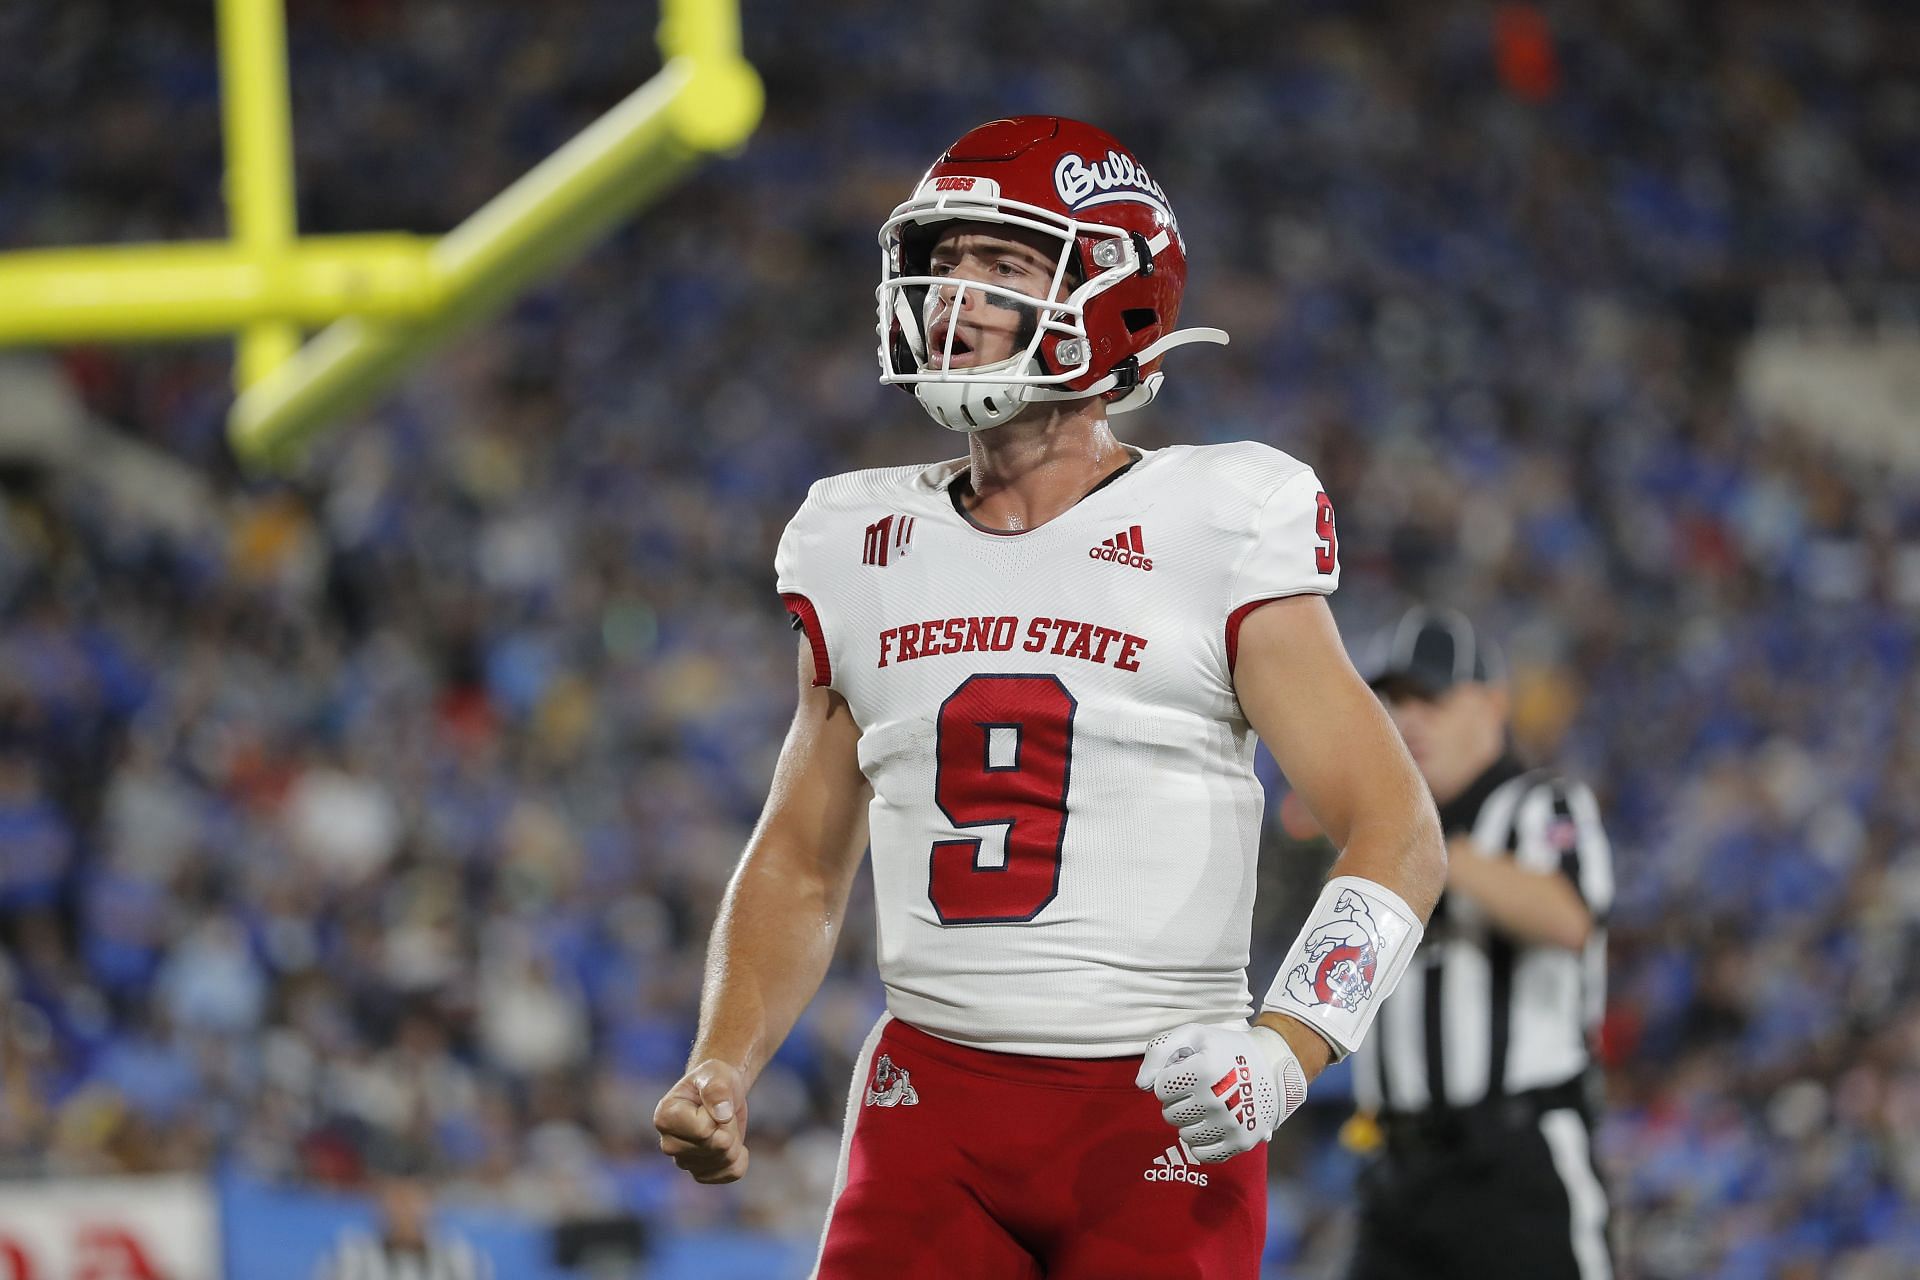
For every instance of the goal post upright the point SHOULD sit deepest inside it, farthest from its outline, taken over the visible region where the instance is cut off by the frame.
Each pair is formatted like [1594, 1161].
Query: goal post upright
[256, 118]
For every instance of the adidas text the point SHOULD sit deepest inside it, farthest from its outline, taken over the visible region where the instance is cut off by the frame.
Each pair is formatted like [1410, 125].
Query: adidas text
[1128, 558]
[1183, 1174]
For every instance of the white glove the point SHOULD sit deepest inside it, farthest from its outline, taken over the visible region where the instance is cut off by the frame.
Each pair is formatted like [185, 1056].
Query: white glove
[1226, 1089]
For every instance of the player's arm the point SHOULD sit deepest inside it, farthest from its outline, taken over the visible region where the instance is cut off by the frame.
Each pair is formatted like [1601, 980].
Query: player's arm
[1227, 1088]
[1341, 753]
[775, 933]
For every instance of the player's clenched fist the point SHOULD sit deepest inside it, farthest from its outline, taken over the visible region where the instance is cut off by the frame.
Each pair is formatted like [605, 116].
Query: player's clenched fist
[703, 1122]
[1226, 1089]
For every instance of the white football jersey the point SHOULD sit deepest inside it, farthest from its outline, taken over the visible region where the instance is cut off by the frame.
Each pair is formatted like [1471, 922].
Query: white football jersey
[1065, 818]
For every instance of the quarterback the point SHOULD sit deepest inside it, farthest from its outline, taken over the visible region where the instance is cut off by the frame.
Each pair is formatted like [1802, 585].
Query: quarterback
[1031, 680]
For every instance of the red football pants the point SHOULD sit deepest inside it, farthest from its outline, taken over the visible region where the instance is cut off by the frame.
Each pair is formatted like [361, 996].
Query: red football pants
[962, 1164]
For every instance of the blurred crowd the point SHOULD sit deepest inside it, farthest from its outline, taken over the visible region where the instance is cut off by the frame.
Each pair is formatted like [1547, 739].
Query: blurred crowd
[377, 821]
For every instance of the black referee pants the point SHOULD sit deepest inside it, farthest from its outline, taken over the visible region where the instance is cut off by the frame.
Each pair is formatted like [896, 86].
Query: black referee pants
[1485, 1202]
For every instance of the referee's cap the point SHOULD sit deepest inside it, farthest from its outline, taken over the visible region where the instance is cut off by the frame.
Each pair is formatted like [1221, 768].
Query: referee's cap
[1432, 650]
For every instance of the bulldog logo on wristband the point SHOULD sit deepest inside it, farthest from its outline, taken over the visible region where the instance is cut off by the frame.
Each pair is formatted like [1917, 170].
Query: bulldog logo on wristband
[1341, 957]
[1356, 943]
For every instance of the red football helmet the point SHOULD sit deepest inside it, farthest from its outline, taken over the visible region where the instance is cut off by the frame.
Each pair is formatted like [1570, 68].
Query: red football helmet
[1117, 236]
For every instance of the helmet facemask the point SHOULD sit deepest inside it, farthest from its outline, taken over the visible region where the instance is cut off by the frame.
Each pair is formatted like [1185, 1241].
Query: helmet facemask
[1056, 351]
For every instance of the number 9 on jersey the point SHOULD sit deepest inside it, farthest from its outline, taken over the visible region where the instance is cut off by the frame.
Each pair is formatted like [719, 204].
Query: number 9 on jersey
[1004, 755]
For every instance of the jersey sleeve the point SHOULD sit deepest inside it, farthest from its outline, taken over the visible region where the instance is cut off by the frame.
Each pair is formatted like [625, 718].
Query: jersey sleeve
[799, 578]
[1292, 549]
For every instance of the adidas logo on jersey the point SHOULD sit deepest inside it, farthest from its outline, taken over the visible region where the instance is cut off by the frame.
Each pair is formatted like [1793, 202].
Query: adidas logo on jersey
[1127, 547]
[1175, 1164]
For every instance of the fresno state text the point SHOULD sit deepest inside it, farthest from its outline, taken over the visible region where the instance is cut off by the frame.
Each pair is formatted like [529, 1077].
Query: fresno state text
[1062, 637]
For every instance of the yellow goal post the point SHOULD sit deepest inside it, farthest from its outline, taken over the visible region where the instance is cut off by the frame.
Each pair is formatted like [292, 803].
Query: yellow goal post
[380, 301]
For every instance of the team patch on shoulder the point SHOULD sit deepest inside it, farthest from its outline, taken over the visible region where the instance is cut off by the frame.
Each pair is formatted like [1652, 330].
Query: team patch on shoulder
[887, 538]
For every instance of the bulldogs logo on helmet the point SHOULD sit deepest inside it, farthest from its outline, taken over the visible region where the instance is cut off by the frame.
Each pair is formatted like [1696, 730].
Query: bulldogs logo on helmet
[1119, 246]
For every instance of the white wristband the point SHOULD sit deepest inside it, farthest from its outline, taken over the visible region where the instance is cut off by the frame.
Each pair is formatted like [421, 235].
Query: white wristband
[1346, 961]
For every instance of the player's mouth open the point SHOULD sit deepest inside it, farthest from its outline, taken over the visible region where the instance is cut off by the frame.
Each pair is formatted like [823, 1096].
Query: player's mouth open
[958, 357]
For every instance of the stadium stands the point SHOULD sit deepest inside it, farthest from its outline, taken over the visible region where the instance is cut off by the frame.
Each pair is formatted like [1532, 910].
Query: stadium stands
[388, 811]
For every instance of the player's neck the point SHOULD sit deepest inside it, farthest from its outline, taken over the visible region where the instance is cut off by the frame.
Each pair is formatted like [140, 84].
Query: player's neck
[1031, 470]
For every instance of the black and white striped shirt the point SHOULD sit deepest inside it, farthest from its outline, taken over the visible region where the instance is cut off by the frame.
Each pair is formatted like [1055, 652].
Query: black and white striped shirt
[362, 1257]
[1479, 1015]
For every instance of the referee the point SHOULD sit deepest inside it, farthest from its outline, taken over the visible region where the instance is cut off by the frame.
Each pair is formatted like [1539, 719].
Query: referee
[1478, 1069]
[406, 1247]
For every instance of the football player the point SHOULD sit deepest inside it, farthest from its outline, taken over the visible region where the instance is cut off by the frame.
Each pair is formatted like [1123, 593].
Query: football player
[1032, 679]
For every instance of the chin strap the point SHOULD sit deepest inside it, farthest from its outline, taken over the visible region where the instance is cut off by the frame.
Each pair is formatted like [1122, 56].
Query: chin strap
[1149, 387]
[1181, 338]
[1143, 392]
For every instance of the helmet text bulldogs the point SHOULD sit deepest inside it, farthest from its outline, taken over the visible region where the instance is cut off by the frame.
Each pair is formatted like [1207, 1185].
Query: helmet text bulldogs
[1117, 177]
